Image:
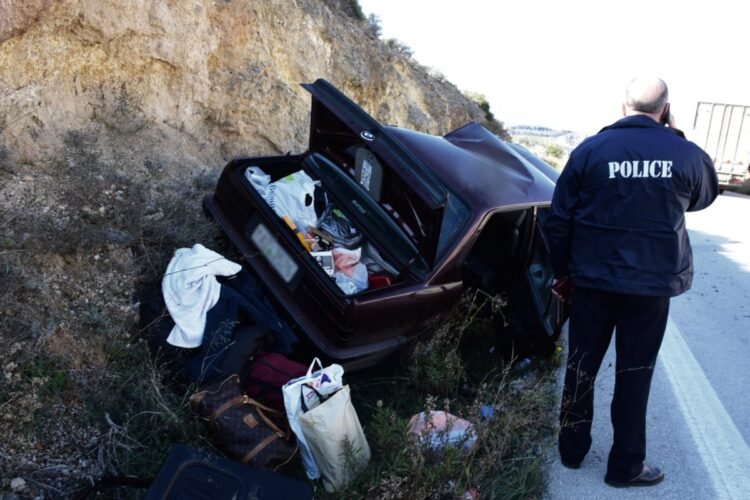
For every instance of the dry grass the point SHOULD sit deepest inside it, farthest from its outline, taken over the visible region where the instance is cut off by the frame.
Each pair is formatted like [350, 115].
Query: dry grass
[77, 241]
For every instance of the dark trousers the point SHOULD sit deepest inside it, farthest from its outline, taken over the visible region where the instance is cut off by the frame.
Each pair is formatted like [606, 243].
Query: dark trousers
[640, 322]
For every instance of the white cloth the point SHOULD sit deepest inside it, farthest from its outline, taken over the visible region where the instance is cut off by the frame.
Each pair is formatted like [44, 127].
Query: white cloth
[190, 289]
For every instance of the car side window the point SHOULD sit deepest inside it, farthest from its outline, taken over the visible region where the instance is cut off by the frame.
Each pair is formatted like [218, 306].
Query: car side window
[455, 215]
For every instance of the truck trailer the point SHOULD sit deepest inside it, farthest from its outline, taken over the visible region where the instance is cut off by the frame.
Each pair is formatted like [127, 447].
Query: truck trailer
[723, 131]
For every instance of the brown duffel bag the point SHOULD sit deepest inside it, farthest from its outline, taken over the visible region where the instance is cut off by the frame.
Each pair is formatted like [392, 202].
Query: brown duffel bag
[241, 427]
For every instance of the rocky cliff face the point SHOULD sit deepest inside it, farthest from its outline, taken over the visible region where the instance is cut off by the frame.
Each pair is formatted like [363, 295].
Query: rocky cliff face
[191, 83]
[115, 117]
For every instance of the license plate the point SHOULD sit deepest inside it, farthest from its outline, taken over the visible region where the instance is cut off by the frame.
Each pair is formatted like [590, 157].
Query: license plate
[724, 177]
[274, 254]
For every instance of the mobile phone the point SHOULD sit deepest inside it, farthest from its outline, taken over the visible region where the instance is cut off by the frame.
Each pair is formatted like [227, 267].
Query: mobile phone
[325, 259]
[665, 115]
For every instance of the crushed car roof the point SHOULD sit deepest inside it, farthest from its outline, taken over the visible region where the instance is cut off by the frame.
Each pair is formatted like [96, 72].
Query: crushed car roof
[484, 170]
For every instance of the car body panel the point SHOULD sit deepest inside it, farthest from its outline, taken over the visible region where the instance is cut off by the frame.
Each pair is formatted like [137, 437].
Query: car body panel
[457, 185]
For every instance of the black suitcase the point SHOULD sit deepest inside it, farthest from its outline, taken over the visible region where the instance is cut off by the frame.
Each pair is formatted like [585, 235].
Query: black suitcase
[190, 474]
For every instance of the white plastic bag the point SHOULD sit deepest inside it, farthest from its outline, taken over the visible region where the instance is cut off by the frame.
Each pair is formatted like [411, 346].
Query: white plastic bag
[354, 281]
[293, 196]
[350, 274]
[298, 399]
[258, 179]
[336, 439]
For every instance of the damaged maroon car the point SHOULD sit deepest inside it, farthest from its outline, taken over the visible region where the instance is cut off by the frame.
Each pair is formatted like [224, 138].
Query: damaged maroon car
[375, 231]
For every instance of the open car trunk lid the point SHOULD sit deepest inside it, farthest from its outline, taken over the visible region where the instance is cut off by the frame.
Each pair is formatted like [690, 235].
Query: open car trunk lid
[327, 98]
[335, 115]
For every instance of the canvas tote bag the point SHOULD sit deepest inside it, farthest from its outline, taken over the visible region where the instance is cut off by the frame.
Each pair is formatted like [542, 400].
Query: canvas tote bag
[335, 439]
[303, 393]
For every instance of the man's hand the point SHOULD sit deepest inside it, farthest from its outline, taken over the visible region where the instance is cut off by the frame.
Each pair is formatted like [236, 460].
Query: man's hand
[671, 123]
[562, 288]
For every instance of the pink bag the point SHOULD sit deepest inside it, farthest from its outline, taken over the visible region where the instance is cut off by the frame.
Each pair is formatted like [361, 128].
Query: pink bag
[268, 373]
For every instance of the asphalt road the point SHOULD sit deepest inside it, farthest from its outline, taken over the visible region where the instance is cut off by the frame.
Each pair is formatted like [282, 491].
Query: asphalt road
[699, 409]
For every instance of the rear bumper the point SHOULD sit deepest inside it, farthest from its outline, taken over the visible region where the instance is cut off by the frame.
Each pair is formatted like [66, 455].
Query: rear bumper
[355, 357]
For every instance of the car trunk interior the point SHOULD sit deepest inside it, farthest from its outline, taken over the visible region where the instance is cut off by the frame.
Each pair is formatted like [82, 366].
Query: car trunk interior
[507, 259]
[278, 168]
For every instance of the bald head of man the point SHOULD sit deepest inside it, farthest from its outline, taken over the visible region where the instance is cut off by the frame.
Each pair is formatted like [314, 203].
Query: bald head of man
[646, 95]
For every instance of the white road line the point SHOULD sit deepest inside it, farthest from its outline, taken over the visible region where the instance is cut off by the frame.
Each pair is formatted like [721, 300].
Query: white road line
[722, 448]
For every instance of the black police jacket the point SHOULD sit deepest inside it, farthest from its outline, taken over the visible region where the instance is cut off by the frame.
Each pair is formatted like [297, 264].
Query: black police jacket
[617, 219]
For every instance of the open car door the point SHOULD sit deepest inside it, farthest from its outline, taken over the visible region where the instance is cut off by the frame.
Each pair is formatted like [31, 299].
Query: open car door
[551, 311]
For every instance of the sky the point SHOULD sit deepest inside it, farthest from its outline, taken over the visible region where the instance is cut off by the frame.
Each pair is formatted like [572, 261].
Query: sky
[566, 64]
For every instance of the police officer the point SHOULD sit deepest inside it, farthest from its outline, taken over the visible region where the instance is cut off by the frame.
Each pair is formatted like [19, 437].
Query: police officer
[616, 230]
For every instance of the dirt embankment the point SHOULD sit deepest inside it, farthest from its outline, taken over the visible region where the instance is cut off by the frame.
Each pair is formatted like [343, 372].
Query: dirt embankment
[192, 83]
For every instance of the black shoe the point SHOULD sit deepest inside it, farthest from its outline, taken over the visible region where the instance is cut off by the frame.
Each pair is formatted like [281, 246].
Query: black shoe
[649, 476]
[570, 465]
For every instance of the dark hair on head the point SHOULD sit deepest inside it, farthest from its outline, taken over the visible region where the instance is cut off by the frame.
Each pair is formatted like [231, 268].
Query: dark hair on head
[654, 105]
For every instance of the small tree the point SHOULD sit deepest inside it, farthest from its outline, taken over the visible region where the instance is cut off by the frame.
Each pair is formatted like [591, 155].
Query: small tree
[357, 10]
[483, 104]
[373, 26]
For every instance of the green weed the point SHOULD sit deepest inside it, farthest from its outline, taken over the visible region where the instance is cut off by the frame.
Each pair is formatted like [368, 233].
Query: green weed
[50, 374]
